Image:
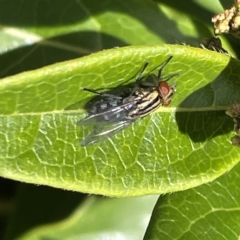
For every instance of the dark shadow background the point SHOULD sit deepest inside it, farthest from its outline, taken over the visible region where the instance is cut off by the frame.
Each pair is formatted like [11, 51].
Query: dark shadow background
[38, 204]
[41, 54]
[214, 123]
[47, 14]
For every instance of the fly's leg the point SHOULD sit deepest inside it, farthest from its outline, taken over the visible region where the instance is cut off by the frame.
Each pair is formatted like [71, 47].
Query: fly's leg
[169, 77]
[141, 72]
[162, 67]
[139, 78]
[158, 79]
[102, 94]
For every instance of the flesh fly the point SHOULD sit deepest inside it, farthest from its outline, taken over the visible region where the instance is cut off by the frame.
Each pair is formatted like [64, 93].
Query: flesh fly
[113, 113]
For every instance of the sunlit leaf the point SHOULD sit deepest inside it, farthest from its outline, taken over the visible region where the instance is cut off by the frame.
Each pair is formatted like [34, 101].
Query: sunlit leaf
[177, 147]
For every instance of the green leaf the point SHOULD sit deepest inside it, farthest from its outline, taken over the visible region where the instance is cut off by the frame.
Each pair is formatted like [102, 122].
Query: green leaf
[51, 32]
[210, 211]
[175, 148]
[58, 214]
[183, 145]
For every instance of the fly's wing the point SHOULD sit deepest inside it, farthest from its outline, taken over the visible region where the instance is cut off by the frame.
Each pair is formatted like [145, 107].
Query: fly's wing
[102, 132]
[110, 114]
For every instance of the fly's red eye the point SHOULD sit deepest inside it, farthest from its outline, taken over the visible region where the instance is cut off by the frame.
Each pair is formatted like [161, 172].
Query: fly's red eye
[164, 88]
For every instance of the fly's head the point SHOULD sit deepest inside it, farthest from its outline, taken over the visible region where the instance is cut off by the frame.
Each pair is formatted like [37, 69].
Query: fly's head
[166, 92]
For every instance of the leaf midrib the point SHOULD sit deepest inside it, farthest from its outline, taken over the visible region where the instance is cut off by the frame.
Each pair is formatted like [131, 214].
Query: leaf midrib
[161, 109]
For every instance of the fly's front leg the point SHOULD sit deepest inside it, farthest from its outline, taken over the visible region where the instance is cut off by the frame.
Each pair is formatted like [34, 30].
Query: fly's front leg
[162, 67]
[156, 79]
[169, 77]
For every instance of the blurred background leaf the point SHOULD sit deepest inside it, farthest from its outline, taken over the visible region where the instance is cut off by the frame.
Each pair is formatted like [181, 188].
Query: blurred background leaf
[85, 217]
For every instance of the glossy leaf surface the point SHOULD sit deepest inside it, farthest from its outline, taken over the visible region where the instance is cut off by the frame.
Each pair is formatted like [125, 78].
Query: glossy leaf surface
[178, 147]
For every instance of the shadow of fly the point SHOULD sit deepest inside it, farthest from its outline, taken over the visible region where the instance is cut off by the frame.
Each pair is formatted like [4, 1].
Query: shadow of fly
[113, 113]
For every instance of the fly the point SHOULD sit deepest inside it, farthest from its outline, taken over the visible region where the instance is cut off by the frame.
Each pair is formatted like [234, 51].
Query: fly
[113, 113]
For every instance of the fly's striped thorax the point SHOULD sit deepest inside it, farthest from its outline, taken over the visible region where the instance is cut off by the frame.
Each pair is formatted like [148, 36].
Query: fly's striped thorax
[148, 102]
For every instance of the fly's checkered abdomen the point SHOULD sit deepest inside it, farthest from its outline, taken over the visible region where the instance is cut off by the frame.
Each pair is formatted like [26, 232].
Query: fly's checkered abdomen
[107, 110]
